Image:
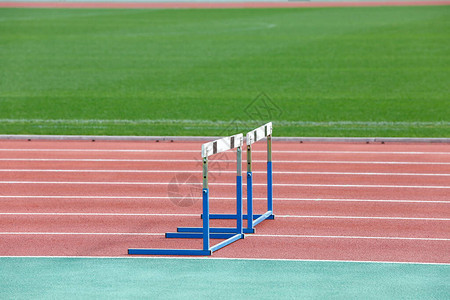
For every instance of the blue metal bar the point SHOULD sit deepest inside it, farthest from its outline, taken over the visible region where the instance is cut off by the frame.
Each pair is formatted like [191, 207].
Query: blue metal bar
[239, 227]
[269, 187]
[206, 233]
[232, 216]
[169, 252]
[214, 229]
[197, 235]
[211, 229]
[262, 218]
[222, 244]
[249, 200]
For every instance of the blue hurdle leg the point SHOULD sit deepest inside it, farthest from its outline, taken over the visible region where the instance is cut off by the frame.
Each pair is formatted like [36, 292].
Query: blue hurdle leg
[249, 201]
[269, 187]
[206, 233]
[239, 226]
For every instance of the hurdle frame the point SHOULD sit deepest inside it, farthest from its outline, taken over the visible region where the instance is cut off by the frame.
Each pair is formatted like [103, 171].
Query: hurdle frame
[231, 234]
[253, 136]
[264, 131]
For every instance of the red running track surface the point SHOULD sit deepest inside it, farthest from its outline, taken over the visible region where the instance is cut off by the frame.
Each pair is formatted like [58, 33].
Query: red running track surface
[340, 201]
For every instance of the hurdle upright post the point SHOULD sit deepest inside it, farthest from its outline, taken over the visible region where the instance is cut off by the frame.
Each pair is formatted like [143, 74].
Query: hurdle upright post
[239, 208]
[206, 230]
[269, 174]
[249, 190]
[252, 137]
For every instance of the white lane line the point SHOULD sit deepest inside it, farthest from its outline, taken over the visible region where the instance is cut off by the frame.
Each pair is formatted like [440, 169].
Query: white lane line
[346, 237]
[81, 233]
[357, 173]
[104, 160]
[97, 214]
[198, 151]
[357, 152]
[363, 218]
[222, 258]
[225, 161]
[102, 150]
[250, 235]
[228, 184]
[350, 185]
[196, 215]
[218, 171]
[219, 198]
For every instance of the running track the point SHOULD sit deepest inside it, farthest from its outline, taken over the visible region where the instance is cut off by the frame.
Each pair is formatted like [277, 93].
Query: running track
[340, 201]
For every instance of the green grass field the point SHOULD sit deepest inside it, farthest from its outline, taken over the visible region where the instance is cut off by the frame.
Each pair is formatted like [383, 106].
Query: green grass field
[314, 71]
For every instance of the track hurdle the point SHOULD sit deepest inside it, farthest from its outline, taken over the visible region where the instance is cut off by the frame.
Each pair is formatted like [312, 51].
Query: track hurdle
[206, 233]
[253, 136]
[264, 131]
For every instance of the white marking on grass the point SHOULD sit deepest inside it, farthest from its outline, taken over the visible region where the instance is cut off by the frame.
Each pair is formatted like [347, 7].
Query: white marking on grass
[221, 123]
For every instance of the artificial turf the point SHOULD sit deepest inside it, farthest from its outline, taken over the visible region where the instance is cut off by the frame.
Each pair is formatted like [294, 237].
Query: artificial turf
[373, 71]
[162, 278]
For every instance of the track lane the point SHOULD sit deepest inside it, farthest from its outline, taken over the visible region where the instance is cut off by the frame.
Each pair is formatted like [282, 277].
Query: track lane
[312, 166]
[193, 155]
[336, 224]
[181, 205]
[222, 176]
[283, 225]
[251, 247]
[161, 189]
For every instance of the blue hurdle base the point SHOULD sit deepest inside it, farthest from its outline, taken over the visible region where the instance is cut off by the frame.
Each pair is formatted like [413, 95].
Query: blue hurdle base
[267, 216]
[234, 216]
[197, 235]
[222, 244]
[231, 239]
[169, 252]
[213, 230]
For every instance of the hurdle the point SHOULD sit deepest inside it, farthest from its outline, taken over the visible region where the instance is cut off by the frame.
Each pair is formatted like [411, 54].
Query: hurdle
[206, 233]
[264, 131]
